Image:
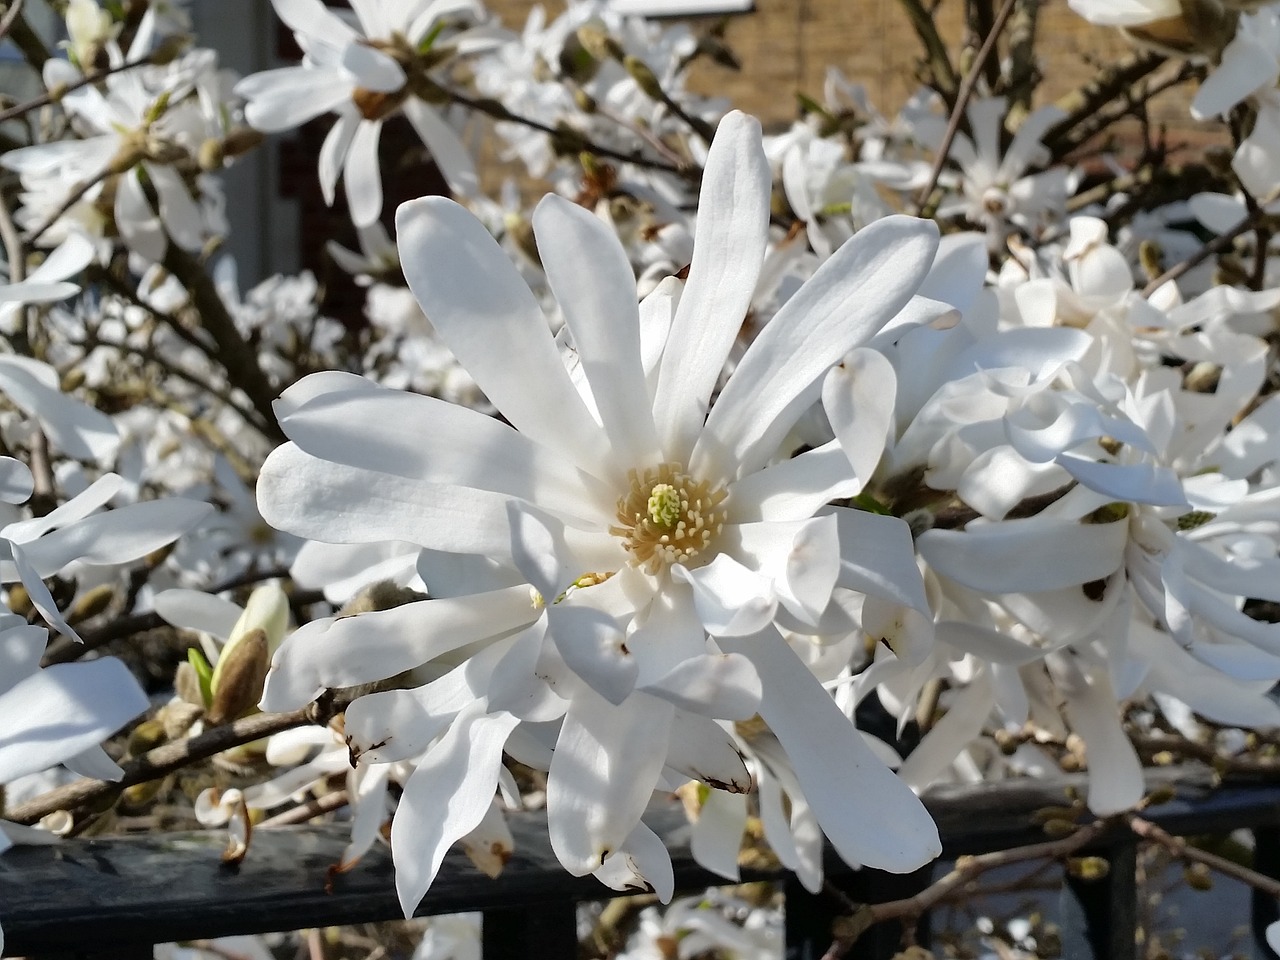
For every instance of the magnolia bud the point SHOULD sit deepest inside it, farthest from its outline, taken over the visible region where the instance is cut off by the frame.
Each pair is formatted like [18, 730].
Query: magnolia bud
[644, 77]
[239, 677]
[1088, 868]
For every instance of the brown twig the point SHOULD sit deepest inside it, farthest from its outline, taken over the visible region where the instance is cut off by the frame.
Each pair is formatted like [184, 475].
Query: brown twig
[1179, 847]
[234, 354]
[962, 101]
[10, 15]
[1219, 244]
[966, 870]
[51, 96]
[173, 756]
[308, 811]
[941, 74]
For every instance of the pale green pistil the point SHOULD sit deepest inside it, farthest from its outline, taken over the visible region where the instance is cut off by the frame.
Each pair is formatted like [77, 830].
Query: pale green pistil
[664, 505]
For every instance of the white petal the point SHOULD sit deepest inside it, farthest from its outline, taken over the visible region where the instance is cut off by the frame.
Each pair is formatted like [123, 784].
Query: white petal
[447, 150]
[94, 763]
[606, 763]
[701, 750]
[857, 396]
[641, 864]
[484, 312]
[336, 503]
[197, 610]
[868, 813]
[1115, 773]
[361, 175]
[71, 426]
[373, 69]
[333, 152]
[995, 556]
[877, 556]
[716, 837]
[319, 654]
[16, 482]
[446, 798]
[794, 489]
[966, 715]
[723, 686]
[21, 647]
[592, 280]
[851, 296]
[288, 97]
[732, 229]
[117, 536]
[424, 438]
[594, 647]
[731, 599]
[62, 711]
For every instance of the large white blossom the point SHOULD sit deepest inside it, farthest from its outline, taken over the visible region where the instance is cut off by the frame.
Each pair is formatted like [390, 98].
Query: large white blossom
[666, 538]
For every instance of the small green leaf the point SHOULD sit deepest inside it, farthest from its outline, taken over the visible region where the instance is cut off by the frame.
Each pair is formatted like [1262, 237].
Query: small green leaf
[204, 673]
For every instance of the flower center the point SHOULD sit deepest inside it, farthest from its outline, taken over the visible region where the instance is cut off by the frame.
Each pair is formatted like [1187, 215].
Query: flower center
[668, 517]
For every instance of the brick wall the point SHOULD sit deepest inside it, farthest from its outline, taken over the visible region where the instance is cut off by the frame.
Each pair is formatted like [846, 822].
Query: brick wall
[786, 45]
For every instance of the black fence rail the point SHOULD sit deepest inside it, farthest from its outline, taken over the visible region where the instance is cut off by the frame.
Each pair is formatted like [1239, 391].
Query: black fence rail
[116, 897]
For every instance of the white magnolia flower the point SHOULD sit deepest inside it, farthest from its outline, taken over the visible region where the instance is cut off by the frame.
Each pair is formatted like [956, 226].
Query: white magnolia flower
[667, 539]
[364, 76]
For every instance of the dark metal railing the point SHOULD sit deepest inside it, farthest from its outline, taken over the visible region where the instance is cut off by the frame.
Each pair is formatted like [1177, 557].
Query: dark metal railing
[115, 897]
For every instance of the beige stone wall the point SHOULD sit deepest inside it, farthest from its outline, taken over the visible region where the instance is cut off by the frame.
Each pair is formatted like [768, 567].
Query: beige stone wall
[786, 45]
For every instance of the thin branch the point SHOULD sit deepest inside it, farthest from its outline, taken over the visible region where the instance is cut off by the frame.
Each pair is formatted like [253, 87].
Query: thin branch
[491, 108]
[962, 100]
[1179, 847]
[305, 812]
[937, 60]
[966, 870]
[174, 756]
[10, 15]
[1082, 104]
[1219, 244]
[51, 96]
[234, 354]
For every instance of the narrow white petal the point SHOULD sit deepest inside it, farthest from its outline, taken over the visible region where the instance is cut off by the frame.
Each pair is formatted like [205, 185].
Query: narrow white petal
[16, 482]
[701, 750]
[63, 711]
[197, 610]
[117, 536]
[424, 438]
[361, 174]
[731, 599]
[1115, 772]
[594, 647]
[877, 556]
[856, 292]
[868, 813]
[642, 864]
[336, 503]
[592, 280]
[319, 654]
[719, 685]
[94, 763]
[794, 489]
[447, 149]
[484, 312]
[731, 230]
[71, 426]
[445, 798]
[716, 836]
[966, 715]
[857, 396]
[606, 763]
[994, 556]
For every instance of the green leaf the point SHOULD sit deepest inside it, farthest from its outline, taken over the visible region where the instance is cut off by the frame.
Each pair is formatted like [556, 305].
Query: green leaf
[204, 673]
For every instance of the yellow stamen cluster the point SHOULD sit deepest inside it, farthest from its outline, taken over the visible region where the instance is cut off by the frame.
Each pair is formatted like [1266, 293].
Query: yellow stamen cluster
[668, 517]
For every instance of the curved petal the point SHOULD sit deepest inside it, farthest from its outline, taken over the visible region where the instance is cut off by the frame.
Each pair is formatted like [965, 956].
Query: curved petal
[361, 175]
[447, 149]
[446, 798]
[869, 815]
[851, 296]
[318, 655]
[322, 500]
[484, 312]
[606, 763]
[731, 231]
[592, 280]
